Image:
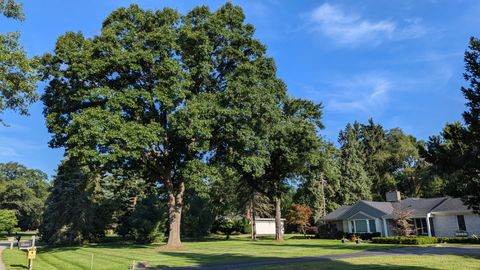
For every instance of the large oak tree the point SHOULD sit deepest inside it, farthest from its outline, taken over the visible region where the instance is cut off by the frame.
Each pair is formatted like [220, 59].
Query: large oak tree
[142, 95]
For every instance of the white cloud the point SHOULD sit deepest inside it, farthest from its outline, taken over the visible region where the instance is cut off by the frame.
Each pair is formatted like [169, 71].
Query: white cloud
[352, 29]
[365, 93]
[7, 152]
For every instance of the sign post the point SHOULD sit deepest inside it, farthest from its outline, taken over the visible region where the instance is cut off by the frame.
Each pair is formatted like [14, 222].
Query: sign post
[31, 254]
[11, 239]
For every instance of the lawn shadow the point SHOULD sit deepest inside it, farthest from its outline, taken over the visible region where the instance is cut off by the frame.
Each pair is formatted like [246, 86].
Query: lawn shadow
[18, 266]
[236, 261]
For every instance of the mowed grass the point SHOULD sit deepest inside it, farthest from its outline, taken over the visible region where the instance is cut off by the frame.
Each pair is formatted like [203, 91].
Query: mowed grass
[423, 262]
[115, 256]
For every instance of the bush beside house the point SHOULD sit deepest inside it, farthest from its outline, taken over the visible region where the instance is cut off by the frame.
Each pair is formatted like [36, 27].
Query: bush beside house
[424, 240]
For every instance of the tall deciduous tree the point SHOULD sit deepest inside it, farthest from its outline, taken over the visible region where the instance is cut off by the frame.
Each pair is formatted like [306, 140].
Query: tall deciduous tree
[17, 73]
[293, 145]
[24, 191]
[142, 94]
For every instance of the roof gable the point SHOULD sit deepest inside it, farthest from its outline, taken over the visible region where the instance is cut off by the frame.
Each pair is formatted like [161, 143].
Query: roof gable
[360, 215]
[367, 208]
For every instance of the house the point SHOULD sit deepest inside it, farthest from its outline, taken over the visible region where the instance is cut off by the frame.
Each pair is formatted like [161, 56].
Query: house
[266, 226]
[442, 217]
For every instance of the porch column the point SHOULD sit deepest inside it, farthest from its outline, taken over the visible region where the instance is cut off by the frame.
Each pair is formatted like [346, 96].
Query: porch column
[349, 226]
[428, 225]
[385, 231]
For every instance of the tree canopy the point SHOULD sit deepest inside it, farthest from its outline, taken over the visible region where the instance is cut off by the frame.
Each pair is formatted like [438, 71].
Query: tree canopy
[17, 71]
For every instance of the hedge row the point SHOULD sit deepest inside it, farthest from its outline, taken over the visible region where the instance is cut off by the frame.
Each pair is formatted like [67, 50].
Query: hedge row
[405, 240]
[460, 240]
[424, 240]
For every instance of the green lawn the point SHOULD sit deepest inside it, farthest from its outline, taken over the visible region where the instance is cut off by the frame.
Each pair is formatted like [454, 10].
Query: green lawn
[388, 263]
[115, 256]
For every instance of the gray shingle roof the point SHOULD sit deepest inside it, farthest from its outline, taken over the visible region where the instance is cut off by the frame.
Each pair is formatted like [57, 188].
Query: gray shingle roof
[420, 207]
[336, 214]
[385, 207]
[451, 204]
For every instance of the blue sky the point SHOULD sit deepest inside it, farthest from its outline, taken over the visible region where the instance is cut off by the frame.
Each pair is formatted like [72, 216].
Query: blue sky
[400, 62]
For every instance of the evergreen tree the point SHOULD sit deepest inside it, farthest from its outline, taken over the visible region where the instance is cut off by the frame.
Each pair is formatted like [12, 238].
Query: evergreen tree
[76, 209]
[320, 185]
[471, 191]
[373, 140]
[355, 184]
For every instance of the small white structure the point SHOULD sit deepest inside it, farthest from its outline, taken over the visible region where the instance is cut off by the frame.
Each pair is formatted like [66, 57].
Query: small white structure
[266, 226]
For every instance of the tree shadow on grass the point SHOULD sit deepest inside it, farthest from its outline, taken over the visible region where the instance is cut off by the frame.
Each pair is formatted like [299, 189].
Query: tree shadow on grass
[236, 261]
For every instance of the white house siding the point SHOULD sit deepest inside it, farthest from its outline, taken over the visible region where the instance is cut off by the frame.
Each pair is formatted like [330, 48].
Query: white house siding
[379, 226]
[345, 225]
[447, 226]
[472, 222]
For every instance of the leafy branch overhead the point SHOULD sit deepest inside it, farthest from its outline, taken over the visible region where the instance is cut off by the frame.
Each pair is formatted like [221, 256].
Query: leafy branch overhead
[17, 72]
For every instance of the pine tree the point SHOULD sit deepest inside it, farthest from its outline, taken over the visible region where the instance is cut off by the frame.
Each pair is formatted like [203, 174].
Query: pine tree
[355, 184]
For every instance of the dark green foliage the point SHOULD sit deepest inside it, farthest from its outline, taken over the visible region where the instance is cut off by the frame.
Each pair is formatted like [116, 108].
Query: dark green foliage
[198, 214]
[224, 225]
[24, 191]
[143, 95]
[355, 183]
[455, 155]
[11, 9]
[405, 240]
[323, 170]
[148, 222]
[228, 226]
[391, 161]
[76, 209]
[459, 240]
[8, 220]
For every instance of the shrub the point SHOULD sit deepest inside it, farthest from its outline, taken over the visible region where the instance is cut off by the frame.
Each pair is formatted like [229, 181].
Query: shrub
[225, 225]
[405, 240]
[311, 229]
[363, 236]
[459, 240]
[242, 225]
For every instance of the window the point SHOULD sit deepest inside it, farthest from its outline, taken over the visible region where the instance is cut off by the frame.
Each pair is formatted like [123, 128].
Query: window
[373, 227]
[461, 223]
[363, 225]
[421, 226]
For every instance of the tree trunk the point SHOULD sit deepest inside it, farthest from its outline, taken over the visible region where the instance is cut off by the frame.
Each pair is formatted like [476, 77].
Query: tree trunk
[254, 227]
[278, 219]
[175, 205]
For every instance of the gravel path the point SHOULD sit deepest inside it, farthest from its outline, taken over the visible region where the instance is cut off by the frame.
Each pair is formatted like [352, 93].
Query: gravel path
[469, 251]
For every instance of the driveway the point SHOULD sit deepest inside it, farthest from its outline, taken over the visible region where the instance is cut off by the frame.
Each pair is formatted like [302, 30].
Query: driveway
[3, 245]
[469, 251]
